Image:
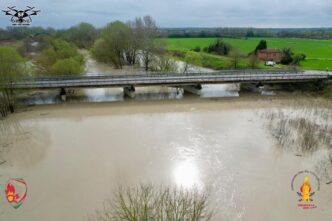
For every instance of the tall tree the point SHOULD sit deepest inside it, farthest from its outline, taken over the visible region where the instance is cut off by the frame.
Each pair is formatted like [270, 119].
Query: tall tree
[235, 58]
[261, 46]
[111, 47]
[11, 70]
[149, 45]
[82, 35]
[287, 56]
[135, 40]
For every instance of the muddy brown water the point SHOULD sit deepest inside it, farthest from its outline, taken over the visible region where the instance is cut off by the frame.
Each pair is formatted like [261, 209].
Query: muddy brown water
[73, 156]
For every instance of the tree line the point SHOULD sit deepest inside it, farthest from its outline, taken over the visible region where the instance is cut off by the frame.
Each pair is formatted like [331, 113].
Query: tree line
[131, 43]
[314, 33]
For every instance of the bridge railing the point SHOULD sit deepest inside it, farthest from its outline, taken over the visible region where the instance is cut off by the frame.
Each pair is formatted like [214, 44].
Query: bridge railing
[157, 74]
[167, 78]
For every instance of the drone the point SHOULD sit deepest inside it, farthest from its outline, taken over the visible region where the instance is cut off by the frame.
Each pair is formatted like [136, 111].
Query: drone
[21, 16]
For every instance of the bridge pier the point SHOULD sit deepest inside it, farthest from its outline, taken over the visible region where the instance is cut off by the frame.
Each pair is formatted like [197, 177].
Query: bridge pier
[63, 94]
[194, 89]
[129, 91]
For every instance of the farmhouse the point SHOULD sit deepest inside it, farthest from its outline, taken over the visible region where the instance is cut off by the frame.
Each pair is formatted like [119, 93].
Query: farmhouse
[270, 55]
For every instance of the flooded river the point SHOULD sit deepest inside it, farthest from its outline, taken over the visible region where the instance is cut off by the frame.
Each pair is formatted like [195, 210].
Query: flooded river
[73, 156]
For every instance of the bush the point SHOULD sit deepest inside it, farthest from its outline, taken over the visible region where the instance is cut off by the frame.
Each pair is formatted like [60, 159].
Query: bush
[219, 47]
[67, 66]
[179, 54]
[61, 57]
[287, 56]
[197, 49]
[298, 58]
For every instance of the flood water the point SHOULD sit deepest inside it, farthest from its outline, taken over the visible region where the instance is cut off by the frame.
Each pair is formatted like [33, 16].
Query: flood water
[93, 68]
[73, 156]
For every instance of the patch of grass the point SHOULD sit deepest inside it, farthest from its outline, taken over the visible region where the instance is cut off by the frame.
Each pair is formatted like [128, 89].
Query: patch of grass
[318, 52]
[317, 64]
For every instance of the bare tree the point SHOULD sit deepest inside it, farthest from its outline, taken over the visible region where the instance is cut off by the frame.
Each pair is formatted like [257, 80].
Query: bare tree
[235, 58]
[253, 61]
[148, 203]
[149, 47]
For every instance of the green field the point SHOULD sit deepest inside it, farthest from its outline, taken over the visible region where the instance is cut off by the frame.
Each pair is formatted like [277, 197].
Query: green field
[318, 52]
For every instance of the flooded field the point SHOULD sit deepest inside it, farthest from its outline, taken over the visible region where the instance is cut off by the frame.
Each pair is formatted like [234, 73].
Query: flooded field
[73, 156]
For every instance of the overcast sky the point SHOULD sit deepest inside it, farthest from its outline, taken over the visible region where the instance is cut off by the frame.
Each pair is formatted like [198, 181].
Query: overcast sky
[179, 13]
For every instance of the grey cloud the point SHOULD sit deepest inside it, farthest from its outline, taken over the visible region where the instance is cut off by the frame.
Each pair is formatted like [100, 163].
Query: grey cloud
[181, 13]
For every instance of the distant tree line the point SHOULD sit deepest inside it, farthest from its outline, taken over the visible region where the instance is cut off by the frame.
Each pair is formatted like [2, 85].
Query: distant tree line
[314, 33]
[83, 34]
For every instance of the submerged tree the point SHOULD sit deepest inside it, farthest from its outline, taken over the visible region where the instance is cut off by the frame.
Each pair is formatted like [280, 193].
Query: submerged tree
[112, 44]
[129, 43]
[61, 58]
[12, 67]
[149, 46]
[82, 35]
[147, 203]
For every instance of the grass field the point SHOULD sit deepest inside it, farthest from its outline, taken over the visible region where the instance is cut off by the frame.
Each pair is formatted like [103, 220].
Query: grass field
[318, 52]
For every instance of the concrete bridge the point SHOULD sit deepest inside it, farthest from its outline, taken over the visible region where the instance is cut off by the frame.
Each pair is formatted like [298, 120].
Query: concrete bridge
[169, 79]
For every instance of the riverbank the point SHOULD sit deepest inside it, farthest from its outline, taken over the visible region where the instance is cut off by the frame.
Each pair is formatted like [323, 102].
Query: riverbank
[245, 101]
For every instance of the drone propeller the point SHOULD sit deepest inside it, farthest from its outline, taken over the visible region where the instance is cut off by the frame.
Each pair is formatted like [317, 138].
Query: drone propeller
[34, 12]
[13, 8]
[7, 12]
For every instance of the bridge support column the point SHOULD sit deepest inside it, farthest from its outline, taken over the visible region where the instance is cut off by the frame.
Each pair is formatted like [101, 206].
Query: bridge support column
[129, 91]
[63, 94]
[194, 89]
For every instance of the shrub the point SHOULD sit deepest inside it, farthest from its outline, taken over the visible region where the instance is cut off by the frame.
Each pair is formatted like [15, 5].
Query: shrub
[61, 57]
[297, 58]
[197, 49]
[219, 47]
[67, 66]
[287, 56]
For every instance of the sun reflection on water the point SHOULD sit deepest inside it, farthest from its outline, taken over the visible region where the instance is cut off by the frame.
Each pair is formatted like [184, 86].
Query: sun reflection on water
[186, 175]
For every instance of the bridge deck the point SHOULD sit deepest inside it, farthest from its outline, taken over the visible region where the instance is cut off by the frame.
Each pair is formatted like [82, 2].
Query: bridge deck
[270, 76]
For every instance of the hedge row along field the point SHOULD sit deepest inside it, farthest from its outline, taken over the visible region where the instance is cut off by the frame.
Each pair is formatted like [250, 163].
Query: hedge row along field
[318, 52]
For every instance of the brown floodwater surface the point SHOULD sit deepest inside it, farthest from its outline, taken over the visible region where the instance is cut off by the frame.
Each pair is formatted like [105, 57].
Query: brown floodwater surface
[73, 156]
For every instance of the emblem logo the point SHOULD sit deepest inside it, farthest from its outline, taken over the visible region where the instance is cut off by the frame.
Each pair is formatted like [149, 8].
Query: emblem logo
[16, 192]
[306, 184]
[21, 17]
